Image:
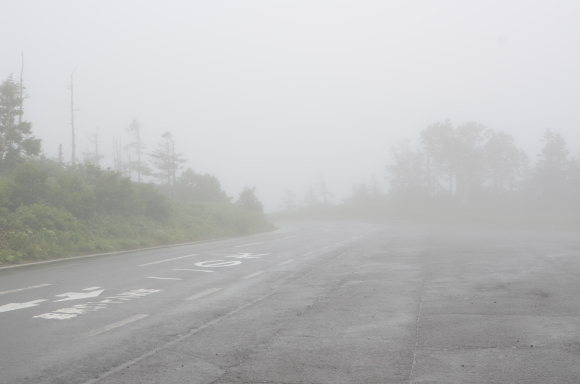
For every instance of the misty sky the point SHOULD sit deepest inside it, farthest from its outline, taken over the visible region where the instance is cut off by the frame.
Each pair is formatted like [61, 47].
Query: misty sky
[274, 94]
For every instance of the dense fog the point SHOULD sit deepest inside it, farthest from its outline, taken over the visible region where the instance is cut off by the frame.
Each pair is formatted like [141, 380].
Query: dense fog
[308, 98]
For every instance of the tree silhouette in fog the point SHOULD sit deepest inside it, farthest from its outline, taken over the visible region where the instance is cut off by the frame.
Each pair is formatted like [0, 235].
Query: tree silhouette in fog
[16, 140]
[166, 160]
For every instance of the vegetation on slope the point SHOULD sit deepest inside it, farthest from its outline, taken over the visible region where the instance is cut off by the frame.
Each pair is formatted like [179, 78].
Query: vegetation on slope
[49, 209]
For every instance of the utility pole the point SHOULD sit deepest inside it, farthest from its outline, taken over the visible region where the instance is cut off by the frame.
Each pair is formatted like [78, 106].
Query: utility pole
[21, 88]
[72, 117]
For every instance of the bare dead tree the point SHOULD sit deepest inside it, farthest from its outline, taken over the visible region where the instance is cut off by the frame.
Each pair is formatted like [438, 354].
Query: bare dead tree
[94, 157]
[21, 89]
[72, 117]
[117, 155]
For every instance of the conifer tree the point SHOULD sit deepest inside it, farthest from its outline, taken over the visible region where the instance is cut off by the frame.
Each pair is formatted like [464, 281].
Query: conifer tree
[16, 139]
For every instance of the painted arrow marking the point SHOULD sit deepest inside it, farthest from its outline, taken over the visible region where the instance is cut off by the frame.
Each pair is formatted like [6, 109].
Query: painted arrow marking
[217, 263]
[15, 306]
[79, 295]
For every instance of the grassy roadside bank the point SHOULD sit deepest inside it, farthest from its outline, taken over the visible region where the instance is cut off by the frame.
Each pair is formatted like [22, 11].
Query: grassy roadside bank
[40, 232]
[48, 211]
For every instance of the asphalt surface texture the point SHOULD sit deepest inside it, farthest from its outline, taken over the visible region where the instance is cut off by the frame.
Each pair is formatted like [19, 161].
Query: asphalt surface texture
[313, 302]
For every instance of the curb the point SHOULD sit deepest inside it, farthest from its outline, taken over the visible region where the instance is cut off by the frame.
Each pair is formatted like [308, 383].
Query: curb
[114, 253]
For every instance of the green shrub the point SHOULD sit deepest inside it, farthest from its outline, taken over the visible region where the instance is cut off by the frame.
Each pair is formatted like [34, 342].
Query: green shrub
[39, 216]
[47, 211]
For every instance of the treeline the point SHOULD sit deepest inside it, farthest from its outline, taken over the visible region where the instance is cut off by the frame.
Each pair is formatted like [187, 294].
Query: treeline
[50, 208]
[468, 172]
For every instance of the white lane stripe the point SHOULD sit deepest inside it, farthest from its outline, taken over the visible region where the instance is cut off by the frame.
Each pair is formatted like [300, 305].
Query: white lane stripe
[116, 325]
[286, 262]
[164, 278]
[15, 306]
[204, 293]
[163, 261]
[194, 270]
[289, 237]
[24, 289]
[307, 254]
[253, 275]
[91, 288]
[202, 327]
[246, 245]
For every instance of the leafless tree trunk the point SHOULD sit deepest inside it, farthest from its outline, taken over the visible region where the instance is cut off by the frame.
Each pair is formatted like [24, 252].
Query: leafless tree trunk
[72, 117]
[21, 88]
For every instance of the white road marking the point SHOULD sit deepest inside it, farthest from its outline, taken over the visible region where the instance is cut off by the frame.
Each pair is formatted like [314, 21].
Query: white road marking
[307, 254]
[91, 306]
[253, 275]
[193, 270]
[24, 289]
[289, 237]
[204, 293]
[163, 261]
[78, 311]
[199, 329]
[133, 294]
[78, 295]
[15, 306]
[116, 325]
[247, 245]
[248, 256]
[164, 278]
[286, 262]
[91, 288]
[217, 263]
[56, 316]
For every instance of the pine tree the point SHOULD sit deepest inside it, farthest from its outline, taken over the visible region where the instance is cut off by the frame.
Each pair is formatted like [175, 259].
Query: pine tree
[166, 160]
[16, 139]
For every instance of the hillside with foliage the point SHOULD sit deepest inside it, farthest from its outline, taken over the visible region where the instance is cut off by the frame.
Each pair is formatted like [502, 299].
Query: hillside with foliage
[465, 173]
[52, 209]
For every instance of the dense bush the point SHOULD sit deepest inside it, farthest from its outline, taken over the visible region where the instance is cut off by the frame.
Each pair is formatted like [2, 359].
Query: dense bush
[47, 211]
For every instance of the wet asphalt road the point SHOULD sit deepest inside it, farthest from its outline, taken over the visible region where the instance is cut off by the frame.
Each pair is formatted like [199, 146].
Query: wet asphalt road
[320, 302]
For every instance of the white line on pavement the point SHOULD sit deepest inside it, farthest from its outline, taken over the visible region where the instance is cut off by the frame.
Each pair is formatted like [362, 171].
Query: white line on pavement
[286, 262]
[307, 254]
[246, 245]
[91, 288]
[23, 289]
[164, 278]
[195, 270]
[15, 306]
[253, 275]
[201, 294]
[78, 295]
[289, 237]
[194, 331]
[116, 325]
[163, 261]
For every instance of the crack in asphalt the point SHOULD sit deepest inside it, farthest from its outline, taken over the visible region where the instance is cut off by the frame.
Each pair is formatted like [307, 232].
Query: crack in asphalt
[329, 291]
[208, 324]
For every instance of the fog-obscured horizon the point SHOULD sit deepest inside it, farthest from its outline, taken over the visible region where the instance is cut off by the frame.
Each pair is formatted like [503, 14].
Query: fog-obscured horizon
[282, 95]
